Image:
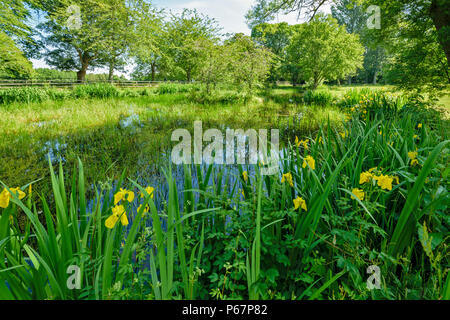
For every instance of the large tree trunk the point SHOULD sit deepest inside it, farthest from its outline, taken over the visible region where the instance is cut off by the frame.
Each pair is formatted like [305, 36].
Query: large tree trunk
[81, 74]
[316, 82]
[440, 13]
[153, 71]
[188, 76]
[111, 71]
[375, 76]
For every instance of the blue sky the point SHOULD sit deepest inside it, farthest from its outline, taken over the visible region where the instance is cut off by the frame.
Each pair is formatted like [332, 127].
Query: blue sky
[230, 14]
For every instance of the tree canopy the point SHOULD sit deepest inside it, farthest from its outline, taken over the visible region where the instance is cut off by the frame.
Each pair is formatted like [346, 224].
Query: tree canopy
[323, 50]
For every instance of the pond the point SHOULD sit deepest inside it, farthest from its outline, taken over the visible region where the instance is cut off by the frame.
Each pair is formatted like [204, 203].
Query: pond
[137, 139]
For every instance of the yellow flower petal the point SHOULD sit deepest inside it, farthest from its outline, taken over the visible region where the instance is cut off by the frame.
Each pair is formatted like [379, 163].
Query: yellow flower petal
[365, 177]
[300, 203]
[119, 196]
[124, 219]
[150, 191]
[130, 196]
[412, 155]
[111, 221]
[358, 193]
[19, 193]
[245, 176]
[146, 210]
[287, 178]
[309, 161]
[4, 199]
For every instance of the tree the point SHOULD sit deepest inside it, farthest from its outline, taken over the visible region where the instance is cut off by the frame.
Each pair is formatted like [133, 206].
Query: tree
[13, 63]
[416, 45]
[215, 68]
[277, 38]
[323, 50]
[118, 35]
[437, 11]
[74, 33]
[149, 40]
[184, 33]
[354, 17]
[13, 14]
[266, 10]
[250, 63]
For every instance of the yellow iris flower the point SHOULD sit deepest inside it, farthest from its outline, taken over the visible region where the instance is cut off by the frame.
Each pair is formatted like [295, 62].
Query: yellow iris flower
[365, 177]
[245, 176]
[358, 193]
[309, 161]
[413, 156]
[123, 195]
[6, 196]
[300, 203]
[118, 212]
[287, 178]
[385, 182]
[150, 191]
[146, 209]
[298, 143]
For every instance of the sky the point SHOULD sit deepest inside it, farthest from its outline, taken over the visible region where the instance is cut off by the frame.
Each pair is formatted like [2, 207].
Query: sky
[230, 15]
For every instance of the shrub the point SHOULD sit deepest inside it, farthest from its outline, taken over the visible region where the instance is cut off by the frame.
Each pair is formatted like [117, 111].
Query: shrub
[320, 98]
[101, 91]
[174, 88]
[25, 94]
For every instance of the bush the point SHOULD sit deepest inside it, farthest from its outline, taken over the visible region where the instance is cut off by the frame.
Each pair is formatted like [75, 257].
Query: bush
[101, 91]
[174, 88]
[202, 97]
[318, 98]
[26, 94]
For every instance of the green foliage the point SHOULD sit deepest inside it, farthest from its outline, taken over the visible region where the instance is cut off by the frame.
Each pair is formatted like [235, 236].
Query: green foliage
[13, 63]
[250, 64]
[320, 98]
[102, 91]
[26, 95]
[173, 88]
[323, 50]
[36, 95]
[184, 36]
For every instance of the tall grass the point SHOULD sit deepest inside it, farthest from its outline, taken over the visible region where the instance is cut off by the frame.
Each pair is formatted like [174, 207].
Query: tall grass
[42, 94]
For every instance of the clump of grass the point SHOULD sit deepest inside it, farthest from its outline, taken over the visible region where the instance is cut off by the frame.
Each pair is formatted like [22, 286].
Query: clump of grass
[319, 98]
[102, 91]
[26, 94]
[174, 88]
